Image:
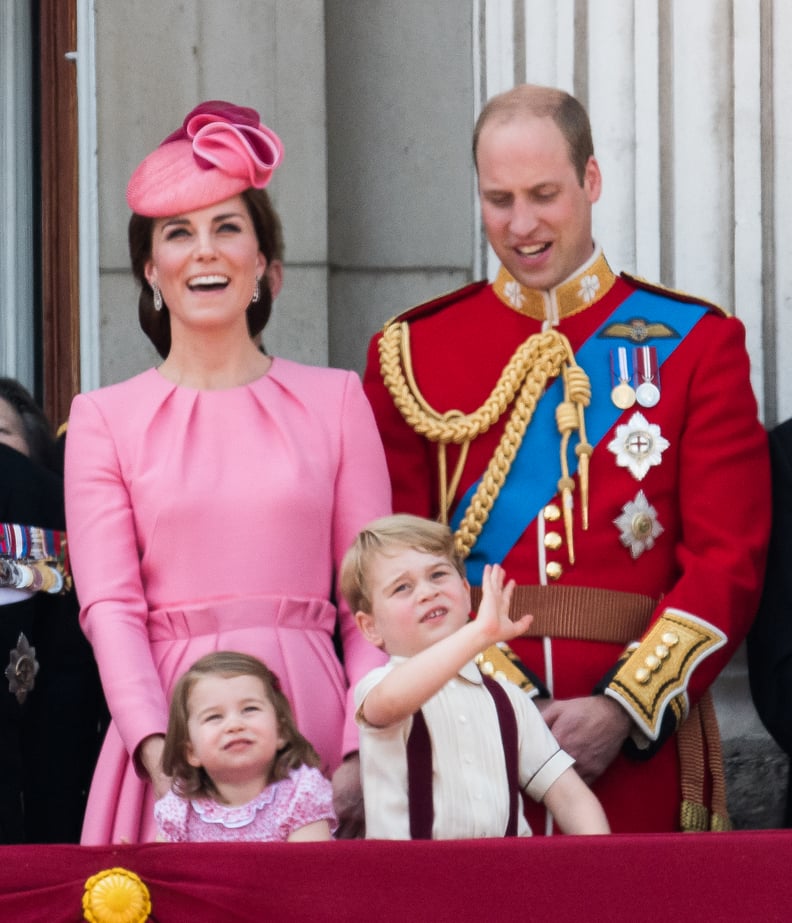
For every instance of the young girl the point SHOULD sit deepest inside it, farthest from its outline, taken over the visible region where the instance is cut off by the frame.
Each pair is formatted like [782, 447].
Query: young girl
[241, 770]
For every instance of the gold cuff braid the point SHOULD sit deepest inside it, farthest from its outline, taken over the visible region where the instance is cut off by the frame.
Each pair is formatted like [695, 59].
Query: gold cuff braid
[656, 673]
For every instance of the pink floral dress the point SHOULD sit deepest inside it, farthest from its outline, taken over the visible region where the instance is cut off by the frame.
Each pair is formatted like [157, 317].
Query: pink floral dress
[283, 807]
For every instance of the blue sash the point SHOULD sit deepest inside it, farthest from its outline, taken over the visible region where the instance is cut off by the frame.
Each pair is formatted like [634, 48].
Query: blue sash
[533, 478]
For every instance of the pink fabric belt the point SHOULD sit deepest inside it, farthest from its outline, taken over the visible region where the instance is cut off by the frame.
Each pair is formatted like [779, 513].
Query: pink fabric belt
[225, 615]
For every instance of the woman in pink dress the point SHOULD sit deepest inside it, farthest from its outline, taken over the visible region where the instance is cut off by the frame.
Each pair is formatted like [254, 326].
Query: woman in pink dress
[210, 500]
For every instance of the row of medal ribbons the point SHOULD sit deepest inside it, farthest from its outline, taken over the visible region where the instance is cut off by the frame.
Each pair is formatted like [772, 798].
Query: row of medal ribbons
[635, 377]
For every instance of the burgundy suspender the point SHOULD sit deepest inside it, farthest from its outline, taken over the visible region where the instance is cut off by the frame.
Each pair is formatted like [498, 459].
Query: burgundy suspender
[419, 765]
[508, 725]
[419, 779]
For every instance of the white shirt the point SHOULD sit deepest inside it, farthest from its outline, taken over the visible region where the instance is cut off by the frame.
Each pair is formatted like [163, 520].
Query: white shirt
[470, 788]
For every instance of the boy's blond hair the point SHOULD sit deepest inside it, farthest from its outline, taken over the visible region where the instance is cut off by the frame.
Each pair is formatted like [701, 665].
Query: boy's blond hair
[383, 536]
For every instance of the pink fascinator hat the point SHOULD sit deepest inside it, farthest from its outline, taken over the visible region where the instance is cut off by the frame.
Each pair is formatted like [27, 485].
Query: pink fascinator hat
[219, 151]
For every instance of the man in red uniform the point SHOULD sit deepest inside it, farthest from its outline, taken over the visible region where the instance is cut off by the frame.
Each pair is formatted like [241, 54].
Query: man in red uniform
[598, 436]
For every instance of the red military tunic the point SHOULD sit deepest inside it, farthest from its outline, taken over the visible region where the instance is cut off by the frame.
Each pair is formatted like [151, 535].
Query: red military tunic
[695, 543]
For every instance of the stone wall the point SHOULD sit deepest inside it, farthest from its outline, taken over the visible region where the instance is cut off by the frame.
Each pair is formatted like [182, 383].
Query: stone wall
[155, 61]
[756, 769]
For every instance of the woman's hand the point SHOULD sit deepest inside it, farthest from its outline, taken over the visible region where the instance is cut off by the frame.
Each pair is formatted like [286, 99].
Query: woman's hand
[348, 799]
[151, 758]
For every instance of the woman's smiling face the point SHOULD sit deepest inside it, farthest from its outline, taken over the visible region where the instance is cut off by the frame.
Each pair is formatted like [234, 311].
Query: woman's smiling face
[206, 263]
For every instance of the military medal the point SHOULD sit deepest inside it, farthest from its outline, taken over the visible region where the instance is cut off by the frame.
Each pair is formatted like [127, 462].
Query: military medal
[622, 392]
[648, 375]
[25, 576]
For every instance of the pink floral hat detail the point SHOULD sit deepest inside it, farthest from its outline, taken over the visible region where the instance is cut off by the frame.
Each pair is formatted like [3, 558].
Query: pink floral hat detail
[219, 151]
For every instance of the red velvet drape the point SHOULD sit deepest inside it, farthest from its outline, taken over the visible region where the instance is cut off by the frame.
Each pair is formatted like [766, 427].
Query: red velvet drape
[741, 876]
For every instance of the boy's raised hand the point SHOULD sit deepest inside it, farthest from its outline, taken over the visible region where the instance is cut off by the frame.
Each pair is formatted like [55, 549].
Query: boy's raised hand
[493, 614]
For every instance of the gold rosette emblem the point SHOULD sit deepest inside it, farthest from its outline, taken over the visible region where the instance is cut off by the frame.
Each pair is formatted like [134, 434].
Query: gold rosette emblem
[116, 896]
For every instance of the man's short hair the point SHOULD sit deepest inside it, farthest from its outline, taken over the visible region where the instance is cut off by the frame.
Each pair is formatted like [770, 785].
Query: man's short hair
[528, 99]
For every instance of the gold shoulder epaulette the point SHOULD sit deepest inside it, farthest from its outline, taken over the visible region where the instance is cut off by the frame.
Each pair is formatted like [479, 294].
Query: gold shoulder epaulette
[500, 661]
[436, 304]
[674, 293]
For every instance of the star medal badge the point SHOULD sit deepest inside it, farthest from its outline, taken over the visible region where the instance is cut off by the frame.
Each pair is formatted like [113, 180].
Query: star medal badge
[22, 669]
[638, 525]
[622, 392]
[648, 376]
[638, 445]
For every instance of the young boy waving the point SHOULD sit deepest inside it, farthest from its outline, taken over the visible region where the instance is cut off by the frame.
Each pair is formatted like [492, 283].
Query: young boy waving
[444, 749]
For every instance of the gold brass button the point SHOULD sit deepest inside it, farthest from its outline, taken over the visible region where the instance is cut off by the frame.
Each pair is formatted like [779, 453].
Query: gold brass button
[662, 651]
[652, 662]
[553, 541]
[487, 668]
[554, 570]
[552, 513]
[643, 675]
[670, 638]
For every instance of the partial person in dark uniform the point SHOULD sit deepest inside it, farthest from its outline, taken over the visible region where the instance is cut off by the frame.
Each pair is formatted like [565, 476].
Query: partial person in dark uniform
[50, 728]
[597, 436]
[25, 427]
[770, 639]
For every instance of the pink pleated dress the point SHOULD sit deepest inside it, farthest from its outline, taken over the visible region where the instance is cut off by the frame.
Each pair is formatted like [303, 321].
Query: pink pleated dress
[217, 520]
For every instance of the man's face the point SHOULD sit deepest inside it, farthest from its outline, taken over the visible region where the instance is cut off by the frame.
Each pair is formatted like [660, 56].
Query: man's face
[536, 213]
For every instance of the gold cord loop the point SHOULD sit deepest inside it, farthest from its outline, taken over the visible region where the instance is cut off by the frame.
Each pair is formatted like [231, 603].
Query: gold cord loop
[522, 382]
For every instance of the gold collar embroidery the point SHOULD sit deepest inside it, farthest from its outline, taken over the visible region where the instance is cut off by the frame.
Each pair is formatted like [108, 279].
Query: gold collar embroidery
[575, 294]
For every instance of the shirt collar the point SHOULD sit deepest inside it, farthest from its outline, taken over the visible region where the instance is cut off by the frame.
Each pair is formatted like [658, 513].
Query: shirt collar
[469, 671]
[585, 286]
